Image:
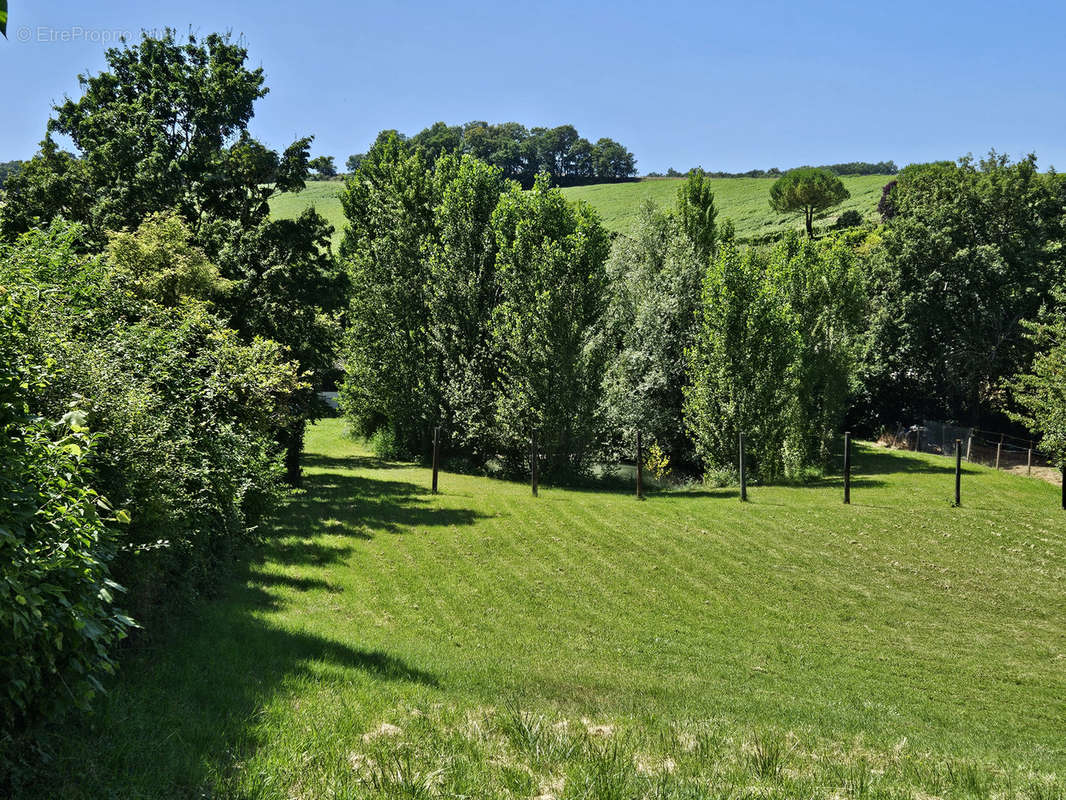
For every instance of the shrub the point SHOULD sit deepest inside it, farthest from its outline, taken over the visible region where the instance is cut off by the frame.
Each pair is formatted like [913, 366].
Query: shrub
[185, 411]
[383, 443]
[57, 615]
[849, 219]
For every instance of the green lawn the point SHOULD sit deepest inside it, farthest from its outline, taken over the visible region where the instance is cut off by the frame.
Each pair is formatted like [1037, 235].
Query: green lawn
[743, 200]
[485, 643]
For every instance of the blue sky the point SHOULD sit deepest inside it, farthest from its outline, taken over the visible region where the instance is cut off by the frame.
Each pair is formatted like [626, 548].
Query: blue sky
[730, 86]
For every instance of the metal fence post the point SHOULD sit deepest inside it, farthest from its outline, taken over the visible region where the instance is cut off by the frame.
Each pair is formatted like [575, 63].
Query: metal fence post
[743, 476]
[436, 456]
[640, 468]
[958, 473]
[533, 462]
[847, 467]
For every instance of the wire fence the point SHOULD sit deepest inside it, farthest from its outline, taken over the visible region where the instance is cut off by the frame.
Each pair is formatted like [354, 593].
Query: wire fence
[988, 448]
[998, 450]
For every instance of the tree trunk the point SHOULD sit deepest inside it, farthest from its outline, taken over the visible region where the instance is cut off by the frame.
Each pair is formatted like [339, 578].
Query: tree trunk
[810, 223]
[294, 446]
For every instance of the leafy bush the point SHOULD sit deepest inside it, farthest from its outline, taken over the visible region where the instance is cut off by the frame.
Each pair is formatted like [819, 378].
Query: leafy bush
[383, 443]
[57, 615]
[849, 219]
[186, 411]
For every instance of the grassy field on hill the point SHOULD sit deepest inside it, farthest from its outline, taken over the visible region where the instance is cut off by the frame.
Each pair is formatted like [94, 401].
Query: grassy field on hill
[743, 200]
[485, 643]
[323, 195]
[746, 201]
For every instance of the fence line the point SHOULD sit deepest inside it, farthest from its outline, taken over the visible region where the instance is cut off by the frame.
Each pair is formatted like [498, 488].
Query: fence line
[932, 437]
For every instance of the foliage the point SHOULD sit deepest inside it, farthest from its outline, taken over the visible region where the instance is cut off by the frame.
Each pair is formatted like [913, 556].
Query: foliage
[778, 337]
[392, 373]
[165, 126]
[8, 168]
[462, 295]
[849, 219]
[807, 190]
[185, 411]
[474, 307]
[164, 130]
[886, 206]
[548, 326]
[827, 296]
[323, 165]
[654, 279]
[285, 286]
[974, 249]
[697, 213]
[58, 621]
[1040, 393]
[353, 162]
[160, 263]
[657, 462]
[743, 365]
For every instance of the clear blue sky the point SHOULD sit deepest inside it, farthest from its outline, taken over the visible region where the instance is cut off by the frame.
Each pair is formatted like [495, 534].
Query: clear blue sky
[731, 86]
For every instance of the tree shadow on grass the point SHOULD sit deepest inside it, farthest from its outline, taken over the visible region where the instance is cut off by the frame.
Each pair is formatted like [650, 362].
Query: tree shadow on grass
[353, 505]
[319, 461]
[187, 710]
[880, 461]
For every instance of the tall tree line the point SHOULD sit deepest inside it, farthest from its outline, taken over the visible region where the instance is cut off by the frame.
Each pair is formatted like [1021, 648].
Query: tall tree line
[475, 306]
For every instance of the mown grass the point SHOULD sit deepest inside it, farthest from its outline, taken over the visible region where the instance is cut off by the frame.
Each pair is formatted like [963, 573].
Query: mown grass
[743, 200]
[485, 643]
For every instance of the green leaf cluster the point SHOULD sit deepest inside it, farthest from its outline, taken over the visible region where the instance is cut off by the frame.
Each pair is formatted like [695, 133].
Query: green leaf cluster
[58, 619]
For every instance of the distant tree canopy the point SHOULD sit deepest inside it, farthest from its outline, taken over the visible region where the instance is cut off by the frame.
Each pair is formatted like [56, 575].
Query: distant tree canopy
[807, 190]
[353, 162]
[846, 168]
[8, 168]
[323, 165]
[521, 153]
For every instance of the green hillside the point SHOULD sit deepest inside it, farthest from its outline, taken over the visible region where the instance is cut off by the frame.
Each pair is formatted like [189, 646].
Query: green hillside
[323, 195]
[743, 200]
